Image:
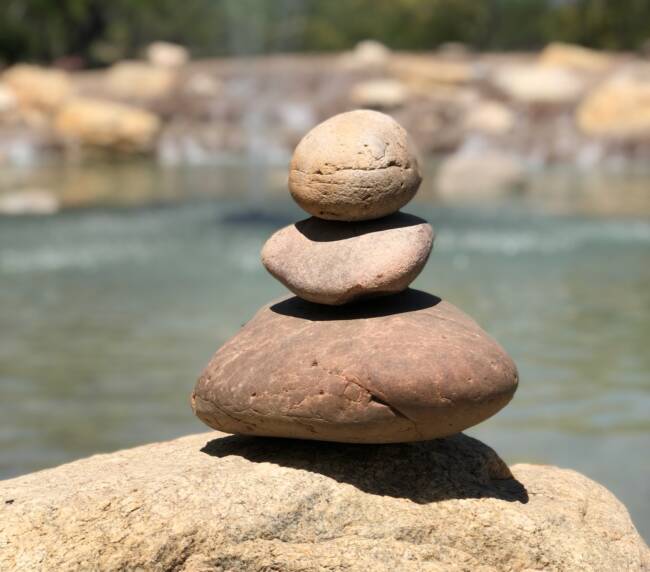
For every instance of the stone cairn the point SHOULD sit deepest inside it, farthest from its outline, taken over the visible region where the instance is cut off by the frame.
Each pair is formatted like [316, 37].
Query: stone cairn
[356, 356]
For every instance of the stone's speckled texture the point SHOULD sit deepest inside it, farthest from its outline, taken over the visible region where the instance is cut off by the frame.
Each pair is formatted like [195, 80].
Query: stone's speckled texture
[402, 368]
[357, 165]
[209, 502]
[333, 262]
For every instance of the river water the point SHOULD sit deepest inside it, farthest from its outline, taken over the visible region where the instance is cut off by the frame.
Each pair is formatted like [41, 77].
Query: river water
[108, 314]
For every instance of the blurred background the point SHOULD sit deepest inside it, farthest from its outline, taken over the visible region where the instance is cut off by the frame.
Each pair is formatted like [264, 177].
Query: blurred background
[144, 147]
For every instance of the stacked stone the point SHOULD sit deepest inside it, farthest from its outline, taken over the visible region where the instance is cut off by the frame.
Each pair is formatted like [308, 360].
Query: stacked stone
[356, 356]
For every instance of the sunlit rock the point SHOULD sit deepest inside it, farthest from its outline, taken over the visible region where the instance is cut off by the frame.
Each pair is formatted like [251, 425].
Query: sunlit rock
[379, 94]
[213, 502]
[575, 57]
[371, 258]
[201, 84]
[423, 73]
[367, 54]
[140, 81]
[479, 173]
[538, 85]
[406, 367]
[490, 117]
[167, 55]
[35, 87]
[107, 124]
[358, 165]
[619, 108]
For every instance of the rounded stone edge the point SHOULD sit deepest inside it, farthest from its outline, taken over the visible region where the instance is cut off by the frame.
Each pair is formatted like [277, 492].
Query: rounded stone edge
[356, 293]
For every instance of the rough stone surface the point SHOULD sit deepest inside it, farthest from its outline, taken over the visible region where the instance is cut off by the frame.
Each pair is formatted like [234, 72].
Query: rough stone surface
[213, 503]
[333, 262]
[357, 165]
[106, 124]
[407, 367]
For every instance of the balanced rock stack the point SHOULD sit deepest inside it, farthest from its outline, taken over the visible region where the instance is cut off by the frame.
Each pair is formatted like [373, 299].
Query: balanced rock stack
[356, 356]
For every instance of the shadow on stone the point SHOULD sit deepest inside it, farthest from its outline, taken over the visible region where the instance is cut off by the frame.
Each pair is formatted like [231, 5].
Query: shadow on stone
[456, 467]
[407, 301]
[319, 230]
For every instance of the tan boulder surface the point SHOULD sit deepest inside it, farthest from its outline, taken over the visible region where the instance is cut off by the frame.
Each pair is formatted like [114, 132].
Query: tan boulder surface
[213, 503]
[379, 94]
[619, 108]
[167, 55]
[140, 81]
[479, 173]
[367, 55]
[538, 84]
[357, 165]
[575, 57]
[332, 262]
[405, 367]
[37, 87]
[425, 74]
[107, 124]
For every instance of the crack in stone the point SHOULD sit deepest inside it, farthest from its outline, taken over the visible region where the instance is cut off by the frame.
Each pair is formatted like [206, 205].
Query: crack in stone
[361, 169]
[376, 398]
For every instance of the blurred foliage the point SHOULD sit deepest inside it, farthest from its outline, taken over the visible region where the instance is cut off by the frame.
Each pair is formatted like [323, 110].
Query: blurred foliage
[98, 32]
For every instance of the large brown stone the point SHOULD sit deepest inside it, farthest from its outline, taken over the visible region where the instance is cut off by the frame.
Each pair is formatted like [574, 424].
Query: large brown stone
[357, 165]
[333, 262]
[407, 367]
[240, 504]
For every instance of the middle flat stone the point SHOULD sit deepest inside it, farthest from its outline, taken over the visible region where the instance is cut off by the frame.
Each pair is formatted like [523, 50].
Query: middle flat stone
[331, 262]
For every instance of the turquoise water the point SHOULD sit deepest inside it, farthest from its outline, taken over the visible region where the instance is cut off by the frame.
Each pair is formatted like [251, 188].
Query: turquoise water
[108, 315]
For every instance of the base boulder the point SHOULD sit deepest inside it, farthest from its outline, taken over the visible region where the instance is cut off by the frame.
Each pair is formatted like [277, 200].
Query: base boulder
[211, 502]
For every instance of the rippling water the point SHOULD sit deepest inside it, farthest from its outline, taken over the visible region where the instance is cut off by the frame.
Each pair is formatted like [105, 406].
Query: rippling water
[109, 314]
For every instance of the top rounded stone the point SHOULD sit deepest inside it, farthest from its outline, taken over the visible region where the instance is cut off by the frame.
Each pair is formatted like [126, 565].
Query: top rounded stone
[358, 165]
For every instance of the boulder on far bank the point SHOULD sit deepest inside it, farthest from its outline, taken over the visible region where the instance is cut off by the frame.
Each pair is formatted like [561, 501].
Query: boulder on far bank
[38, 88]
[479, 173]
[619, 108]
[575, 57]
[379, 94]
[209, 502]
[140, 81]
[367, 55]
[489, 117]
[106, 124]
[538, 85]
[167, 55]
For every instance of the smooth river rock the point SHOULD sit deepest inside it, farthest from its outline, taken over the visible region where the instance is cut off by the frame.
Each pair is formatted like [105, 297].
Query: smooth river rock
[333, 262]
[406, 367]
[357, 165]
[208, 503]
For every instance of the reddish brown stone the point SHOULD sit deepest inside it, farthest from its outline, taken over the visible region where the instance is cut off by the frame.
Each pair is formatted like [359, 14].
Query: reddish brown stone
[406, 367]
[333, 262]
